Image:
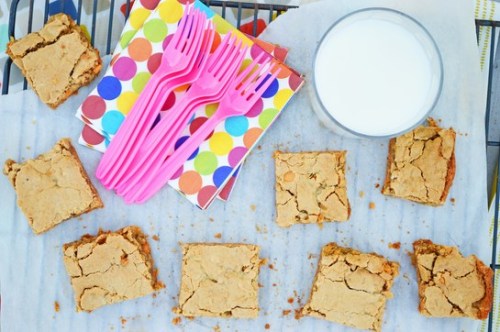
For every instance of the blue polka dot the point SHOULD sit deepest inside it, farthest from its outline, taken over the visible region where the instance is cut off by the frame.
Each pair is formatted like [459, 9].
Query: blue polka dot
[155, 122]
[106, 142]
[111, 121]
[181, 141]
[221, 174]
[203, 8]
[272, 89]
[235, 174]
[236, 125]
[109, 88]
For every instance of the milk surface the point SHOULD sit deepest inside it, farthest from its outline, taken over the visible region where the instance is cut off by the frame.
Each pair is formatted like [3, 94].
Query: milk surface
[374, 77]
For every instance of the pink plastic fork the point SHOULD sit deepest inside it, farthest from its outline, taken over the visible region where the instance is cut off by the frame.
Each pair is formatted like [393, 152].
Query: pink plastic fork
[242, 95]
[177, 62]
[221, 68]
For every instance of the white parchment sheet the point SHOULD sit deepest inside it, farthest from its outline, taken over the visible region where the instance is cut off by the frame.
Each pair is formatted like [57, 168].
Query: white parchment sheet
[32, 276]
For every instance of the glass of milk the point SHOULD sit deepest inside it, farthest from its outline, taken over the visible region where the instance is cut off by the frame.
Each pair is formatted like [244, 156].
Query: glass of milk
[377, 73]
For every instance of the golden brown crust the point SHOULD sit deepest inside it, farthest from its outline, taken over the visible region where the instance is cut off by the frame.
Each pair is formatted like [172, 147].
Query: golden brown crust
[450, 285]
[117, 265]
[52, 187]
[57, 74]
[219, 280]
[421, 165]
[311, 187]
[97, 202]
[361, 281]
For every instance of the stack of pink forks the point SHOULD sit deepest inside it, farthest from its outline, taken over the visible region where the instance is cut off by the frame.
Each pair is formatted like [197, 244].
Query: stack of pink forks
[139, 160]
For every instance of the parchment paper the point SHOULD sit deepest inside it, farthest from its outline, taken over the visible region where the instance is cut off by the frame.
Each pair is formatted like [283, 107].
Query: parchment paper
[32, 276]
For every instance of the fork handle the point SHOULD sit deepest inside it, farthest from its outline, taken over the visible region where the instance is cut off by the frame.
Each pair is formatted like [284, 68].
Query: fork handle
[114, 156]
[154, 152]
[179, 157]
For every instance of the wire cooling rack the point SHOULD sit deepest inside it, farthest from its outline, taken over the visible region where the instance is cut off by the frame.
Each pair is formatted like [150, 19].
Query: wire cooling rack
[255, 11]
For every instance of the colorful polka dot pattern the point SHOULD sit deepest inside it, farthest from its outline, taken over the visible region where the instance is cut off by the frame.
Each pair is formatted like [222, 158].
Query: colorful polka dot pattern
[211, 169]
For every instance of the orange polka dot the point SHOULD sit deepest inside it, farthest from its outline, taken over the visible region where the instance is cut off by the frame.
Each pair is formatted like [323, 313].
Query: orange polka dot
[190, 182]
[115, 57]
[215, 43]
[284, 72]
[251, 136]
[182, 88]
[140, 49]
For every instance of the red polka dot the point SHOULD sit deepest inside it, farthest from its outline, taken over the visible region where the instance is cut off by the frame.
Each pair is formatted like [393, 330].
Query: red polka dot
[150, 4]
[294, 81]
[91, 137]
[185, 2]
[93, 107]
[87, 121]
[215, 43]
[154, 62]
[169, 102]
[280, 53]
[224, 193]
[206, 196]
[196, 123]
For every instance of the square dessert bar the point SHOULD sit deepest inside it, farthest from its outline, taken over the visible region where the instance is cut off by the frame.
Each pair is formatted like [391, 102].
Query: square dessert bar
[421, 165]
[219, 280]
[450, 285]
[110, 267]
[310, 187]
[52, 187]
[57, 60]
[351, 288]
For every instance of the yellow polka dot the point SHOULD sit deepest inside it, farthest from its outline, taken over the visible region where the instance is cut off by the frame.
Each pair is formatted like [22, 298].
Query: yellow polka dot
[221, 143]
[222, 26]
[171, 11]
[138, 16]
[126, 101]
[281, 98]
[210, 109]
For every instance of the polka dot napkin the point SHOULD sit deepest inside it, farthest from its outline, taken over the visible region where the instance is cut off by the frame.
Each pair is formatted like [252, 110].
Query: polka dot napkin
[216, 161]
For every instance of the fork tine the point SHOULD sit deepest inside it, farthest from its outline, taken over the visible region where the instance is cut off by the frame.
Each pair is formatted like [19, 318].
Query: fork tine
[186, 32]
[208, 39]
[231, 60]
[227, 51]
[214, 58]
[196, 35]
[248, 80]
[247, 70]
[232, 69]
[181, 29]
[264, 81]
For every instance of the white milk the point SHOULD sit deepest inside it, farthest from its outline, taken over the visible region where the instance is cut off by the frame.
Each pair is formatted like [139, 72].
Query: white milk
[374, 77]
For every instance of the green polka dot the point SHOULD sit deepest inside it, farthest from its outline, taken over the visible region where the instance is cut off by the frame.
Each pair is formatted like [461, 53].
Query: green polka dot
[155, 30]
[127, 36]
[139, 81]
[266, 117]
[210, 109]
[205, 163]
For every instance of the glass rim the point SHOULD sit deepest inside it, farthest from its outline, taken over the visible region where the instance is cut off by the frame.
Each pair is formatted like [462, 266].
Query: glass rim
[433, 45]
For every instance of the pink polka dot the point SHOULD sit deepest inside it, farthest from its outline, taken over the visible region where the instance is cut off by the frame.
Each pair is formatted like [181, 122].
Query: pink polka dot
[236, 155]
[256, 109]
[91, 137]
[166, 41]
[185, 2]
[124, 69]
[93, 107]
[154, 62]
[178, 173]
[256, 50]
[280, 53]
[206, 196]
[150, 4]
[169, 102]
